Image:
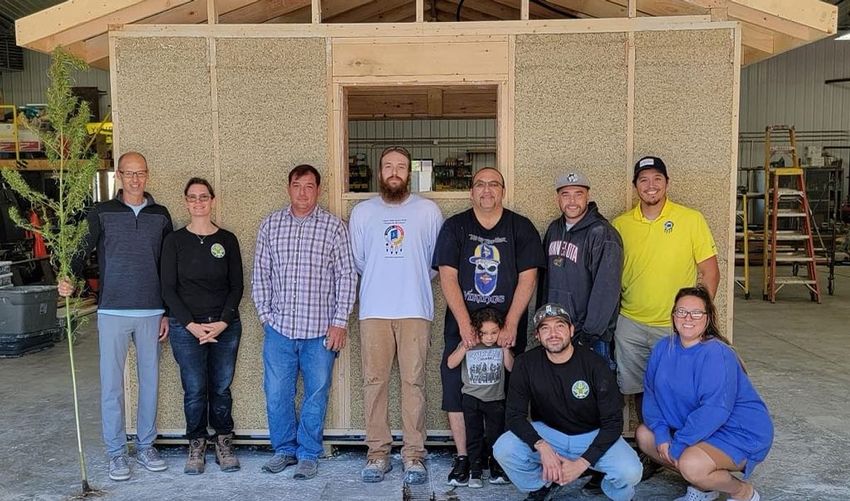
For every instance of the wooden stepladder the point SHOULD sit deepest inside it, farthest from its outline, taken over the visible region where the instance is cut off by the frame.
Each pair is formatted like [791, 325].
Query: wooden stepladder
[788, 239]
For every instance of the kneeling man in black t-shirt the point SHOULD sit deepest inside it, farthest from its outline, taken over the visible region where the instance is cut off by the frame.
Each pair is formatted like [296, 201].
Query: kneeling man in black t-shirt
[576, 416]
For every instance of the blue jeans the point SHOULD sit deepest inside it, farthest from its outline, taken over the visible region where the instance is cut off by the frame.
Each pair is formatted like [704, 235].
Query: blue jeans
[603, 349]
[283, 359]
[620, 463]
[206, 371]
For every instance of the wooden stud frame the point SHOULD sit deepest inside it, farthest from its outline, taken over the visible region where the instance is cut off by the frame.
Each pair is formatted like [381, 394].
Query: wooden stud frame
[358, 55]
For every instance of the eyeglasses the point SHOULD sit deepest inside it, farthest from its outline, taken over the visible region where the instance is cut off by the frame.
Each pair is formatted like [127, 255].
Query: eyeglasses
[198, 198]
[682, 313]
[480, 185]
[141, 174]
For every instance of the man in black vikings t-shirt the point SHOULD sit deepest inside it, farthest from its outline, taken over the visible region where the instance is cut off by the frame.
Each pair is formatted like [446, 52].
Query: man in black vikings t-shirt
[576, 414]
[486, 256]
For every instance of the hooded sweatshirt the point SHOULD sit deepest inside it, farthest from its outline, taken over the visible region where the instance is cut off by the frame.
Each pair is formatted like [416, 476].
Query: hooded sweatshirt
[584, 265]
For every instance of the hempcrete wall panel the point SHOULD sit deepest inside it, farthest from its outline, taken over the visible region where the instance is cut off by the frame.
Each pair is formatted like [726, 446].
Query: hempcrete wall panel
[571, 93]
[271, 119]
[684, 113]
[162, 109]
[273, 116]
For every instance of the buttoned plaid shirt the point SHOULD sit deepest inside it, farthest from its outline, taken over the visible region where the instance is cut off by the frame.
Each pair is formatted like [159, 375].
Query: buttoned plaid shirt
[304, 279]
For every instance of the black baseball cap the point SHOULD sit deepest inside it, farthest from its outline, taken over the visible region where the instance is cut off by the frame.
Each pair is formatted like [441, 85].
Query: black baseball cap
[649, 163]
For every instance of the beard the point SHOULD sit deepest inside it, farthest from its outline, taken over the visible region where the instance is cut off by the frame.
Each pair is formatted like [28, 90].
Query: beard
[393, 194]
[559, 349]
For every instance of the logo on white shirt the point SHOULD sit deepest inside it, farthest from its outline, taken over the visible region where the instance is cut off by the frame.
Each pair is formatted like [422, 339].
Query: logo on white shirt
[393, 239]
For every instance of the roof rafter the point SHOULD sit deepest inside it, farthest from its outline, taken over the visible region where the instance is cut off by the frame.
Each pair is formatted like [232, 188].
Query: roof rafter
[76, 20]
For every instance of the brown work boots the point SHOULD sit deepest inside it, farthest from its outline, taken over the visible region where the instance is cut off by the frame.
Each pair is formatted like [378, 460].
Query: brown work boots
[197, 451]
[225, 456]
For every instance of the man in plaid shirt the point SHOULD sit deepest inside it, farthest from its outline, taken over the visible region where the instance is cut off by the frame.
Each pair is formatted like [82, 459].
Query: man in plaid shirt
[303, 287]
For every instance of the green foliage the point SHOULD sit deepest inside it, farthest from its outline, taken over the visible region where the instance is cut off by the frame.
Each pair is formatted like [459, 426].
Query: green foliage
[67, 147]
[68, 151]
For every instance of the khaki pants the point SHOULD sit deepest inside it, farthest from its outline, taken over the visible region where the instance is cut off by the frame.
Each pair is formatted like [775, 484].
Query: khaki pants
[381, 341]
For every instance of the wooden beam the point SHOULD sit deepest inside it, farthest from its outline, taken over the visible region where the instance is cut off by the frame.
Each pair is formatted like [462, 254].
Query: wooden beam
[193, 12]
[396, 15]
[523, 10]
[719, 14]
[212, 13]
[632, 8]
[302, 15]
[367, 11]
[662, 7]
[316, 11]
[97, 48]
[757, 37]
[495, 9]
[43, 31]
[593, 8]
[534, 11]
[467, 13]
[815, 14]
[750, 55]
[257, 12]
[332, 8]
[420, 11]
[784, 25]
[66, 15]
[423, 31]
[459, 104]
[435, 102]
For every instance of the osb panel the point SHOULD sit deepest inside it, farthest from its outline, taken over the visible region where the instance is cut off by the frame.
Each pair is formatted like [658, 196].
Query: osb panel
[163, 110]
[273, 116]
[684, 114]
[435, 419]
[571, 93]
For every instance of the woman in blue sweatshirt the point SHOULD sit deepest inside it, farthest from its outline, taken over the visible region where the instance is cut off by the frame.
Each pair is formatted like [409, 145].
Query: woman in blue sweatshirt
[701, 413]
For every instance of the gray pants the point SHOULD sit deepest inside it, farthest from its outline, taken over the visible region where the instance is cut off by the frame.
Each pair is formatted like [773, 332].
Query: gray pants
[633, 342]
[114, 335]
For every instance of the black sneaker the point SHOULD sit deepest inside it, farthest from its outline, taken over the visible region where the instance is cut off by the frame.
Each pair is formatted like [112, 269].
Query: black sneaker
[650, 467]
[497, 474]
[459, 476]
[539, 495]
[594, 485]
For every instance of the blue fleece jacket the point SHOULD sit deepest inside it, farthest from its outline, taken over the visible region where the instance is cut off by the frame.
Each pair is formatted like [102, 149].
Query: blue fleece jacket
[702, 393]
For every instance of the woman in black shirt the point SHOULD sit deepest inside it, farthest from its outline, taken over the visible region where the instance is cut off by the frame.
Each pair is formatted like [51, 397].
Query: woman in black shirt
[202, 287]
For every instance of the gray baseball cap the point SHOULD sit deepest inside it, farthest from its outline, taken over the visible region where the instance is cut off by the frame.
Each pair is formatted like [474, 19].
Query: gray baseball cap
[572, 178]
[548, 311]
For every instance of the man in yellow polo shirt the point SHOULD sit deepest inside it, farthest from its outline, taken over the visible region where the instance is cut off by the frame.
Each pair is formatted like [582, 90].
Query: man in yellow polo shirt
[666, 246]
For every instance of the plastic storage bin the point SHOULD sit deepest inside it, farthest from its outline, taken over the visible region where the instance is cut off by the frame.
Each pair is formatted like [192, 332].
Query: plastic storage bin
[27, 308]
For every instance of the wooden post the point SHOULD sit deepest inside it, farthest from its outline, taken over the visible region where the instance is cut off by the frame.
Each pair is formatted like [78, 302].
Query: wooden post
[630, 112]
[317, 11]
[212, 12]
[420, 11]
[524, 10]
[632, 8]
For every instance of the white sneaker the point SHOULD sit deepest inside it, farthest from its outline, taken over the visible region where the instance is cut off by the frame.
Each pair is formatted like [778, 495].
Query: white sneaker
[755, 497]
[694, 494]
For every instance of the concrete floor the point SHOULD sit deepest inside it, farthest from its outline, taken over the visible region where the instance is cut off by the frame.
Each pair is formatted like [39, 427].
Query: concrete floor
[797, 353]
